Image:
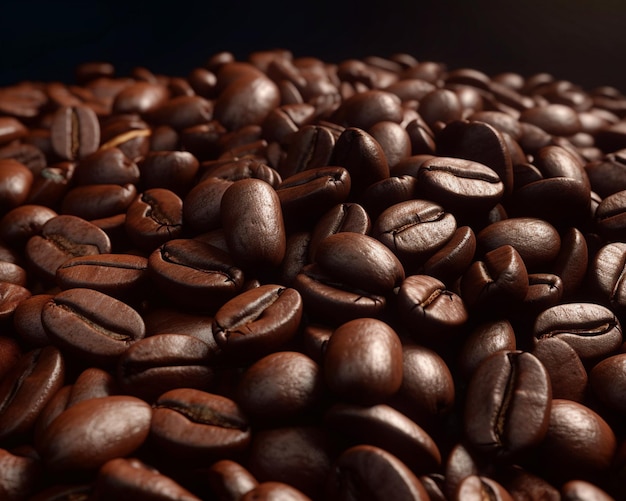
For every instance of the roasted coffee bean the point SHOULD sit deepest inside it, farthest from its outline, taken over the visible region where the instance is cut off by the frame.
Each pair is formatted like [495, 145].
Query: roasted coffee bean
[384, 427]
[194, 274]
[51, 184]
[173, 170]
[118, 275]
[414, 230]
[140, 97]
[365, 109]
[477, 487]
[92, 432]
[356, 469]
[362, 156]
[163, 362]
[230, 480]
[591, 329]
[507, 407]
[253, 222]
[459, 185]
[522, 484]
[348, 256]
[61, 238]
[428, 309]
[122, 478]
[11, 295]
[75, 132]
[609, 216]
[23, 222]
[576, 490]
[311, 147]
[572, 261]
[498, 282]
[20, 474]
[27, 321]
[268, 491]
[257, 321]
[579, 442]
[350, 217]
[556, 119]
[201, 207]
[536, 240]
[107, 166]
[298, 455]
[183, 111]
[280, 386]
[453, 259]
[191, 424]
[440, 105]
[15, 184]
[486, 339]
[98, 201]
[154, 217]
[568, 376]
[91, 325]
[544, 290]
[26, 389]
[393, 139]
[391, 191]
[607, 380]
[371, 369]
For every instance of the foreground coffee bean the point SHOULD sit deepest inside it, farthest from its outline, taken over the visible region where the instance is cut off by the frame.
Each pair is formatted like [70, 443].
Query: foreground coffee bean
[508, 403]
[91, 325]
[75, 132]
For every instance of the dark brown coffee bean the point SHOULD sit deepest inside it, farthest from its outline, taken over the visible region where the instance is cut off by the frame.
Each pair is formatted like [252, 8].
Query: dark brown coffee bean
[92, 432]
[460, 185]
[51, 184]
[485, 340]
[501, 279]
[140, 97]
[311, 147]
[253, 221]
[393, 139]
[154, 217]
[15, 183]
[27, 321]
[453, 259]
[118, 275]
[173, 170]
[362, 362]
[257, 321]
[75, 132]
[13, 274]
[414, 230]
[163, 362]
[11, 295]
[476, 487]
[333, 302]
[280, 386]
[348, 256]
[20, 475]
[197, 426]
[572, 260]
[194, 274]
[591, 329]
[23, 222]
[544, 290]
[356, 469]
[536, 240]
[580, 490]
[440, 105]
[365, 109]
[26, 389]
[122, 478]
[428, 308]
[98, 201]
[229, 480]
[579, 443]
[273, 491]
[107, 166]
[349, 217]
[391, 191]
[297, 455]
[507, 407]
[522, 484]
[91, 325]
[182, 111]
[607, 382]
[305, 196]
[172, 321]
[556, 119]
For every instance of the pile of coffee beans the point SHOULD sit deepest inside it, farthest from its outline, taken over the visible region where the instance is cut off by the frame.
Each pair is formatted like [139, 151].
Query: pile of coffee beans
[284, 278]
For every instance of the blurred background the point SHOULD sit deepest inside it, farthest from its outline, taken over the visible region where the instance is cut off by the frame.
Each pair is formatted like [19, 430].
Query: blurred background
[576, 40]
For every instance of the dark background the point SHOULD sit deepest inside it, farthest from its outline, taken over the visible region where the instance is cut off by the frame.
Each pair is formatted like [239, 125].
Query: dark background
[576, 40]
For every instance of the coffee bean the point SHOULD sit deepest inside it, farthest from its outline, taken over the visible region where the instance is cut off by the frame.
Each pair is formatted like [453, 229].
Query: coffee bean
[15, 183]
[75, 132]
[230, 480]
[23, 222]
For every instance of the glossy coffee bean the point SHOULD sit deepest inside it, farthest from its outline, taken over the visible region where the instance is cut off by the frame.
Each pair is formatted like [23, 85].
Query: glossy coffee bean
[23, 222]
[501, 279]
[582, 490]
[508, 401]
[61, 238]
[27, 388]
[27, 321]
[273, 491]
[75, 132]
[280, 386]
[607, 382]
[453, 258]
[484, 340]
[476, 487]
[230, 480]
[348, 256]
[174, 170]
[92, 432]
[163, 362]
[356, 468]
[98, 201]
[107, 166]
[384, 427]
[194, 274]
[362, 362]
[579, 442]
[153, 218]
[591, 329]
[194, 425]
[257, 321]
[91, 325]
[311, 147]
[123, 478]
[20, 474]
[568, 376]
[414, 230]
[253, 221]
